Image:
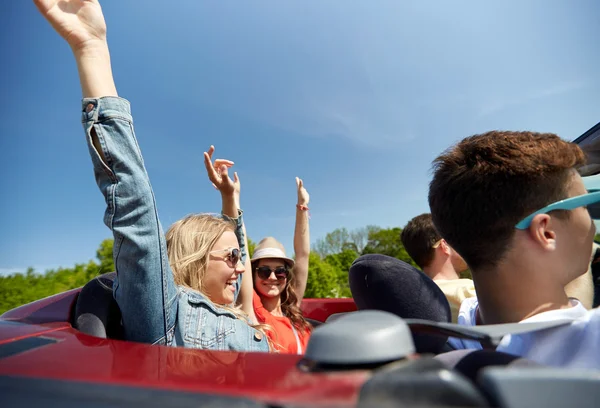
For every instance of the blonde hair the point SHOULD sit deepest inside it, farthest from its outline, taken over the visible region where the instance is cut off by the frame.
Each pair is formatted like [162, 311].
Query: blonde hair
[189, 242]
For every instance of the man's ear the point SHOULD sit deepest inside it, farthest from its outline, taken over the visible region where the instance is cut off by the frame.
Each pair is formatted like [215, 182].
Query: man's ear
[445, 247]
[542, 232]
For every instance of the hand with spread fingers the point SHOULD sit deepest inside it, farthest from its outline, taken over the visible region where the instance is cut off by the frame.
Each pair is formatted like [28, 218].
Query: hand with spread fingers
[80, 22]
[218, 174]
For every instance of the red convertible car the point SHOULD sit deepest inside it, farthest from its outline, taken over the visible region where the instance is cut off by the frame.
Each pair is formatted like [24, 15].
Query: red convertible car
[67, 350]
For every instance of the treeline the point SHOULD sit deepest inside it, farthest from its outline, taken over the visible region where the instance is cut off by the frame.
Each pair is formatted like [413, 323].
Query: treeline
[330, 260]
[332, 256]
[21, 288]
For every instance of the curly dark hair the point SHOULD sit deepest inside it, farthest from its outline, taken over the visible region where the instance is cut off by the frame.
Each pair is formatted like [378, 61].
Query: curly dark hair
[289, 305]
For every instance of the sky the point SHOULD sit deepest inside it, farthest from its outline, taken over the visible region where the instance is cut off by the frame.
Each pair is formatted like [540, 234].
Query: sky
[356, 98]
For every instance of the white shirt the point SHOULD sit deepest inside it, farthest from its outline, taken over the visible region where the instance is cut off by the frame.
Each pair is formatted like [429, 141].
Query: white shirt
[575, 345]
[466, 317]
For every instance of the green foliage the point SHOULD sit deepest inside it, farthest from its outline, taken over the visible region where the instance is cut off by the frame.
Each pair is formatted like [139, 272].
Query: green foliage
[387, 242]
[251, 247]
[342, 262]
[341, 239]
[322, 279]
[341, 247]
[22, 288]
[105, 256]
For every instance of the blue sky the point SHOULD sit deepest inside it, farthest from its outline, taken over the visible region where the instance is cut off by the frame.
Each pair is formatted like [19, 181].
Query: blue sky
[356, 98]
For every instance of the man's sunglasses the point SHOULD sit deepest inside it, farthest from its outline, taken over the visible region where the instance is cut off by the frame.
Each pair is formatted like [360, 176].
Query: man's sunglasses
[566, 204]
[264, 272]
[233, 255]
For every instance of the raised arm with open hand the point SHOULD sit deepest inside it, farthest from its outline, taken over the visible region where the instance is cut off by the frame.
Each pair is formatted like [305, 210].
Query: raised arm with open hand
[218, 174]
[81, 23]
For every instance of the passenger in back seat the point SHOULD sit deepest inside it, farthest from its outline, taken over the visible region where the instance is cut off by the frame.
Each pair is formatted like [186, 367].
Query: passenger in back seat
[513, 205]
[437, 260]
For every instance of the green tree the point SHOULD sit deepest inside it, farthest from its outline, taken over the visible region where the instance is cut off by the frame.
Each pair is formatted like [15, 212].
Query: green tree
[341, 262]
[105, 256]
[332, 243]
[22, 288]
[322, 279]
[251, 247]
[387, 242]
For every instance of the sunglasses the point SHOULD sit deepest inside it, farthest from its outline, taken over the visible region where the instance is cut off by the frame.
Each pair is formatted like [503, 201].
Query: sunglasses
[234, 255]
[264, 272]
[566, 204]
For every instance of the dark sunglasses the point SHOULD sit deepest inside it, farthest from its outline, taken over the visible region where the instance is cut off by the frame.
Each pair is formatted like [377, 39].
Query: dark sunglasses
[264, 272]
[233, 256]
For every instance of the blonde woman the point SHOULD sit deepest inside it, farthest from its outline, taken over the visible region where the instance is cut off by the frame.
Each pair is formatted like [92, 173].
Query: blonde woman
[188, 297]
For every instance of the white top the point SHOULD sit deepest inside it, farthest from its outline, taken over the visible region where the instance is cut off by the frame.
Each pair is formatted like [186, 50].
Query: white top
[466, 317]
[575, 345]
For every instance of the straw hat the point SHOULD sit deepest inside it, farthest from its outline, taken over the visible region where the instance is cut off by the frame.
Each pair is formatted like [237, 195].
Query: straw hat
[270, 248]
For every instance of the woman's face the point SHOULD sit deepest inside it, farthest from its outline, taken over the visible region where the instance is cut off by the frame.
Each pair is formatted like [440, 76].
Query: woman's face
[273, 285]
[222, 270]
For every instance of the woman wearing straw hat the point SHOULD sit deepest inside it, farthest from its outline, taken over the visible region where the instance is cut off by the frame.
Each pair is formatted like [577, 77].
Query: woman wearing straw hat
[280, 282]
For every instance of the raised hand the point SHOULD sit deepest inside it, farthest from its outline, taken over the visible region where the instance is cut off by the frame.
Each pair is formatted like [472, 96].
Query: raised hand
[218, 174]
[80, 22]
[303, 196]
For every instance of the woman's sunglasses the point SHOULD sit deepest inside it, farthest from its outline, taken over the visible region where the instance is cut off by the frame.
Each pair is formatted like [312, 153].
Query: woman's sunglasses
[234, 255]
[264, 272]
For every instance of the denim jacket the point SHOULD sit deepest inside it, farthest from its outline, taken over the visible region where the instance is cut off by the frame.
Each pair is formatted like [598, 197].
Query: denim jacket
[154, 309]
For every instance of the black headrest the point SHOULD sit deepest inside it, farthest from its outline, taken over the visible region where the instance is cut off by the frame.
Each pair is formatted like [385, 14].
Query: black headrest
[382, 282]
[423, 382]
[472, 363]
[96, 311]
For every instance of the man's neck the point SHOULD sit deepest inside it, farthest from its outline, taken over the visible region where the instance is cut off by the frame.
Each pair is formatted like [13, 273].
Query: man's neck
[512, 294]
[441, 270]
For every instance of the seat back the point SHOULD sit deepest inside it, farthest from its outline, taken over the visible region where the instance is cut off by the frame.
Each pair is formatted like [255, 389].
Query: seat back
[470, 363]
[385, 283]
[96, 311]
[424, 382]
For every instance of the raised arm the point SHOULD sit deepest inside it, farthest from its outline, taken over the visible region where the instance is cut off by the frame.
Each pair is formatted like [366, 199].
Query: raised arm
[218, 174]
[81, 23]
[144, 290]
[301, 241]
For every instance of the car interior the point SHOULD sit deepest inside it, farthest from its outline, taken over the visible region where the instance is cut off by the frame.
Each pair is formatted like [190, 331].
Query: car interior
[403, 343]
